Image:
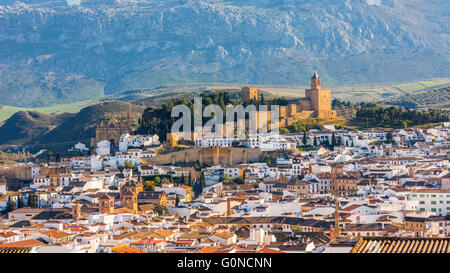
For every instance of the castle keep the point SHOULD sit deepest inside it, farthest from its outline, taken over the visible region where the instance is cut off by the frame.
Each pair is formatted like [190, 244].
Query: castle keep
[315, 104]
[317, 100]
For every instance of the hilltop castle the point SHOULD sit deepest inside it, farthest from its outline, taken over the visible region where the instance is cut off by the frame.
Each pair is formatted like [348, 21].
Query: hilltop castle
[315, 104]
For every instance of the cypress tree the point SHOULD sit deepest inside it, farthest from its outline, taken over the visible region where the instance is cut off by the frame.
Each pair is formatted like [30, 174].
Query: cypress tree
[20, 202]
[202, 180]
[9, 205]
[333, 140]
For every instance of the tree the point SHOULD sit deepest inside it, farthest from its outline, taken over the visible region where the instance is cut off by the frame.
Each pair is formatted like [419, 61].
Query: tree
[226, 178]
[389, 137]
[165, 180]
[315, 141]
[20, 202]
[160, 210]
[238, 180]
[32, 201]
[297, 229]
[202, 181]
[128, 164]
[305, 140]
[404, 125]
[177, 201]
[10, 205]
[149, 185]
[262, 98]
[157, 181]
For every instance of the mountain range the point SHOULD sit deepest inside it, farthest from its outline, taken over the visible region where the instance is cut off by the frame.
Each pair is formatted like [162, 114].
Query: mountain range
[54, 51]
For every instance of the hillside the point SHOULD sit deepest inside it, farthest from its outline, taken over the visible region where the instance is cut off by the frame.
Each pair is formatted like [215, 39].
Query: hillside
[61, 53]
[439, 97]
[37, 129]
[24, 126]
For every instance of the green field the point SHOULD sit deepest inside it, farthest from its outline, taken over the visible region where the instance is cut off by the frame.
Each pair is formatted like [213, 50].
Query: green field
[8, 111]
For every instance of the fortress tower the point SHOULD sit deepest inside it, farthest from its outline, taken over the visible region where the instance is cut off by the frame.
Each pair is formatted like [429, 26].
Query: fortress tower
[249, 93]
[320, 98]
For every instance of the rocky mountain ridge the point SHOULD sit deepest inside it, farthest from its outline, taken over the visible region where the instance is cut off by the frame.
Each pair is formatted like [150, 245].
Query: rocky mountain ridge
[57, 51]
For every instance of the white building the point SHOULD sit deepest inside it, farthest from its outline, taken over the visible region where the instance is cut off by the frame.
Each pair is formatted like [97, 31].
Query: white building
[437, 201]
[103, 148]
[137, 141]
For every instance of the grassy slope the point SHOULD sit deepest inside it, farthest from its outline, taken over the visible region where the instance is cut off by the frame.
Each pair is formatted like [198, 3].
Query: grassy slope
[7, 111]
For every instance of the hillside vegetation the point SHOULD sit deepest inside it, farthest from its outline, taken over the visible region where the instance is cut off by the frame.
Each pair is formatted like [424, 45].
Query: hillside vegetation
[439, 96]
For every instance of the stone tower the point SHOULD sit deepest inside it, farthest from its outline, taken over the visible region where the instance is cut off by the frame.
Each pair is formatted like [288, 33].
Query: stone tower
[129, 200]
[249, 93]
[106, 204]
[337, 231]
[320, 98]
[76, 211]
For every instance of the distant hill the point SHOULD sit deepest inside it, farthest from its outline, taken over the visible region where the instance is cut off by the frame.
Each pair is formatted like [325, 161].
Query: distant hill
[439, 97]
[37, 129]
[25, 126]
[52, 52]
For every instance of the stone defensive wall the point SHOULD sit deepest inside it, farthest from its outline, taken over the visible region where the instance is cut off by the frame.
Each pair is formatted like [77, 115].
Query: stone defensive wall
[209, 156]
